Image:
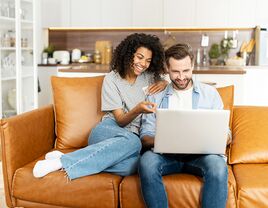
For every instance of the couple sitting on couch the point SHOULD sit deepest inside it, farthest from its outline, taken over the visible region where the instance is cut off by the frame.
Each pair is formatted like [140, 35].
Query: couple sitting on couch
[115, 143]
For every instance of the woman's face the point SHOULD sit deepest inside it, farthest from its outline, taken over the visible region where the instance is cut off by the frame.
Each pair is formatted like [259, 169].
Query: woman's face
[141, 61]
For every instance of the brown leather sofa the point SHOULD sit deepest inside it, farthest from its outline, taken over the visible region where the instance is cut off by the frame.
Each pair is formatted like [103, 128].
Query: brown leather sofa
[66, 125]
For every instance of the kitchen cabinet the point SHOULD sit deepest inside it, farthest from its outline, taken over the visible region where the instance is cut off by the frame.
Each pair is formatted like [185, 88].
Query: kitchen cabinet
[55, 13]
[222, 80]
[154, 13]
[256, 87]
[45, 95]
[17, 57]
[85, 13]
[242, 13]
[147, 13]
[261, 13]
[179, 13]
[116, 13]
[211, 13]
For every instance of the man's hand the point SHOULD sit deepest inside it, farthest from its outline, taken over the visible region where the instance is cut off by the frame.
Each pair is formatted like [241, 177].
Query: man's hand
[157, 87]
[147, 142]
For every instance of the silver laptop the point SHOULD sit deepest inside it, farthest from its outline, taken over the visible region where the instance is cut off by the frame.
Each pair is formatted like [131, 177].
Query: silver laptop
[191, 131]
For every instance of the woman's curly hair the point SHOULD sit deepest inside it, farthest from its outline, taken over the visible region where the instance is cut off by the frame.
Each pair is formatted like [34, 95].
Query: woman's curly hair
[123, 55]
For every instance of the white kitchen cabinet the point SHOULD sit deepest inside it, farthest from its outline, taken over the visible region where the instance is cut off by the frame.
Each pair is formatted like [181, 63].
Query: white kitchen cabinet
[17, 57]
[45, 95]
[222, 80]
[116, 13]
[179, 13]
[211, 13]
[242, 13]
[85, 13]
[256, 87]
[147, 13]
[261, 13]
[55, 13]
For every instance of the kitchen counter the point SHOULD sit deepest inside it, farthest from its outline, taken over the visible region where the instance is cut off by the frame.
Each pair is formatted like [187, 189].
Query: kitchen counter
[105, 69]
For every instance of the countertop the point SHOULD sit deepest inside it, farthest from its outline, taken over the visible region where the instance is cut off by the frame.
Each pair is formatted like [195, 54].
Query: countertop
[98, 68]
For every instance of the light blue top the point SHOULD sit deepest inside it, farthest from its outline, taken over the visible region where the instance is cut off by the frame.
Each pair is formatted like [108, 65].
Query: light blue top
[204, 97]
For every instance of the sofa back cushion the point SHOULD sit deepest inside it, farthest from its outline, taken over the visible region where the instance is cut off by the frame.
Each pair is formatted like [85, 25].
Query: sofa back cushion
[250, 135]
[77, 103]
[227, 96]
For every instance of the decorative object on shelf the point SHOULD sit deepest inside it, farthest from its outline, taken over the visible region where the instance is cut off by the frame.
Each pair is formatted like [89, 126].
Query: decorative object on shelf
[171, 40]
[11, 98]
[97, 57]
[49, 50]
[205, 58]
[102, 46]
[214, 53]
[76, 55]
[226, 45]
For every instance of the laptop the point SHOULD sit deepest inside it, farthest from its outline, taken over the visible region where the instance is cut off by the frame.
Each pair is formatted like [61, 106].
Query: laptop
[191, 131]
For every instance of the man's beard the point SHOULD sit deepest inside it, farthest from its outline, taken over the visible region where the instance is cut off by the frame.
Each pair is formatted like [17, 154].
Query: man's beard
[184, 87]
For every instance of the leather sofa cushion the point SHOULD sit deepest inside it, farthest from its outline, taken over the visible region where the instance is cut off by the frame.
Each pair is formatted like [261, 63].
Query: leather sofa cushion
[250, 135]
[183, 190]
[77, 103]
[227, 96]
[252, 185]
[100, 190]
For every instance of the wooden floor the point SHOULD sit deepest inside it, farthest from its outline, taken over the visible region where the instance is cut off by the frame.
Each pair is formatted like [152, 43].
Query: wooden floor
[2, 197]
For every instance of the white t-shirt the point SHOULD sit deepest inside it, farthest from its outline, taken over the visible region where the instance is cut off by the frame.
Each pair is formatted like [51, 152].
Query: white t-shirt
[181, 99]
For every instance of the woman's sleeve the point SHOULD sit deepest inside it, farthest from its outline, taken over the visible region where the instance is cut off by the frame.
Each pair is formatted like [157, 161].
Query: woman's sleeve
[110, 97]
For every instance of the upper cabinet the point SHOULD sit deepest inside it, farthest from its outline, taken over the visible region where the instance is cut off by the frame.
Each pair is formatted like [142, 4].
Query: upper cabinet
[55, 13]
[211, 13]
[179, 13]
[147, 13]
[85, 13]
[154, 13]
[242, 13]
[116, 13]
[261, 13]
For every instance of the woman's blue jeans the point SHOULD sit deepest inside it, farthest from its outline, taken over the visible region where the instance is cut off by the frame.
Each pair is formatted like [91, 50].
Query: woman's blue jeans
[212, 168]
[111, 149]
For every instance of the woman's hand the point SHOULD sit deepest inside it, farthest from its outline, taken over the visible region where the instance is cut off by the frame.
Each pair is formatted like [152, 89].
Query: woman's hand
[146, 107]
[157, 87]
[123, 118]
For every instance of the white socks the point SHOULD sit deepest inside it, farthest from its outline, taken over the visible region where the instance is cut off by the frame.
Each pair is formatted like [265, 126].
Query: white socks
[53, 155]
[50, 164]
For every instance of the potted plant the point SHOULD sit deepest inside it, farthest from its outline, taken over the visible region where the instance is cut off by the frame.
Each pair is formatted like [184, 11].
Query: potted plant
[214, 53]
[226, 45]
[49, 50]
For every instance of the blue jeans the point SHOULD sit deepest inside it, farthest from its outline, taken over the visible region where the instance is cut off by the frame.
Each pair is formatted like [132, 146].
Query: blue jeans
[212, 168]
[111, 149]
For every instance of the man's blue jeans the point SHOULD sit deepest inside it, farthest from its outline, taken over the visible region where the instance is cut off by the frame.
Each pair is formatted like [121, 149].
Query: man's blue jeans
[111, 149]
[212, 168]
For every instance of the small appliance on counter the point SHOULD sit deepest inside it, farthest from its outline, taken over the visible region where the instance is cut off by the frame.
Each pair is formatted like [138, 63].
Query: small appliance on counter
[63, 57]
[76, 55]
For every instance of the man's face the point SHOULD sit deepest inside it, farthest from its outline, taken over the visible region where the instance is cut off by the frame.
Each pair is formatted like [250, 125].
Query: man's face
[180, 73]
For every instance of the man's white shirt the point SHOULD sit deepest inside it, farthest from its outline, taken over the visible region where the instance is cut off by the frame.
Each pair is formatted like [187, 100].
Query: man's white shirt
[181, 99]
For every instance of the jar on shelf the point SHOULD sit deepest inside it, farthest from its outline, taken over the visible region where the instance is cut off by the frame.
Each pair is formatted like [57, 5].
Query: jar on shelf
[108, 54]
[24, 42]
[97, 57]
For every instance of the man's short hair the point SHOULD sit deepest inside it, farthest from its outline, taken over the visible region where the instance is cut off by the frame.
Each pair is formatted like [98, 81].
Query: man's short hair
[178, 52]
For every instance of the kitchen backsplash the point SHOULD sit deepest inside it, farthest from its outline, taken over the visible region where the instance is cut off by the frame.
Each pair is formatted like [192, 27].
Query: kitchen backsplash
[85, 39]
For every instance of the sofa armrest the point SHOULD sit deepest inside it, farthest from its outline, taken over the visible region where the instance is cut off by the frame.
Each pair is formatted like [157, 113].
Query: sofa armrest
[24, 138]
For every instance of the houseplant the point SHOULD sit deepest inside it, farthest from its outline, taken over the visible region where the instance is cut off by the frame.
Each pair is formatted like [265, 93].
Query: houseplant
[214, 53]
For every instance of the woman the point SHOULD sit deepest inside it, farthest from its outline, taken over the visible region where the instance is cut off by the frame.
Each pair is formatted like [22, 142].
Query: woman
[114, 144]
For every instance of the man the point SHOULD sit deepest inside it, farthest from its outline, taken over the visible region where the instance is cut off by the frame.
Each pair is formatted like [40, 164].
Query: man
[181, 93]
